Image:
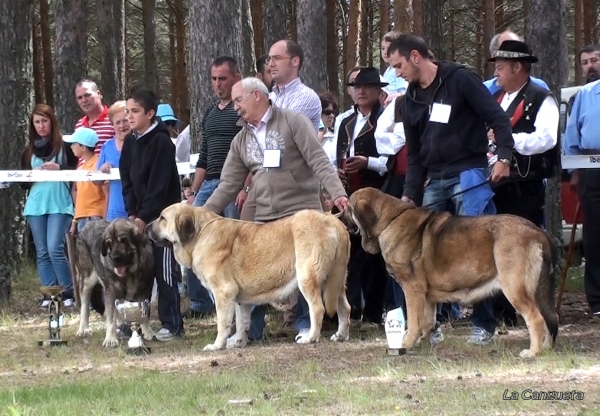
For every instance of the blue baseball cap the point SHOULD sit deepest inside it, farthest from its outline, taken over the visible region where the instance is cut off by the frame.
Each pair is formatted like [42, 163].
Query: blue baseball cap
[83, 136]
[166, 113]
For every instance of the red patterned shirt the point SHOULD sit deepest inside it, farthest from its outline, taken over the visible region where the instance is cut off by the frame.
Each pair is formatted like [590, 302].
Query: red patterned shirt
[102, 126]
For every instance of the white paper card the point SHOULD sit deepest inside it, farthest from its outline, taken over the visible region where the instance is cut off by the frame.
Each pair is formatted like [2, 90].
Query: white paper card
[272, 158]
[440, 113]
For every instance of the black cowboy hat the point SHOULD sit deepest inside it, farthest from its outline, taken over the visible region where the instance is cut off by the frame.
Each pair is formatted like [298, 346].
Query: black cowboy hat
[368, 76]
[515, 50]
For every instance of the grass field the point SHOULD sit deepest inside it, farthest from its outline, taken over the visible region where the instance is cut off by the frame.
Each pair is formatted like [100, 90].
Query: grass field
[277, 377]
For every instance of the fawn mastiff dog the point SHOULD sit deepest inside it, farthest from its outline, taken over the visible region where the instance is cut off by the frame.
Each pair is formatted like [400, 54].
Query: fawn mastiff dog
[438, 257]
[246, 263]
[117, 256]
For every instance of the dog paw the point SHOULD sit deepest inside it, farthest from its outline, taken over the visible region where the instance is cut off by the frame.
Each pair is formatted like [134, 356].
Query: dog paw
[305, 339]
[83, 332]
[110, 342]
[527, 354]
[213, 347]
[234, 342]
[337, 337]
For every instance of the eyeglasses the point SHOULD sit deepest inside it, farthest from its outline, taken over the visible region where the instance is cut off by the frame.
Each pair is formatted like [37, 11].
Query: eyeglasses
[276, 58]
[238, 100]
[329, 112]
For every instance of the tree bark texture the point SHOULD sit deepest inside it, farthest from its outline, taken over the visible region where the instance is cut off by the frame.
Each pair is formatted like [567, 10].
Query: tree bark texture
[16, 104]
[274, 22]
[352, 58]
[47, 52]
[433, 32]
[312, 36]
[578, 37]
[150, 67]
[183, 100]
[256, 9]
[384, 27]
[38, 61]
[489, 23]
[208, 20]
[71, 59]
[548, 27]
[248, 63]
[332, 47]
[417, 17]
[110, 51]
[402, 17]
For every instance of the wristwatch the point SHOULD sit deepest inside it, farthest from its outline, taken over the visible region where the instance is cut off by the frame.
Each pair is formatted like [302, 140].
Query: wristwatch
[247, 188]
[504, 161]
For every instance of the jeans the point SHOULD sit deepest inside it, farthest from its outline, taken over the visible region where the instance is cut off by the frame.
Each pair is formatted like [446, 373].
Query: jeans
[201, 300]
[49, 233]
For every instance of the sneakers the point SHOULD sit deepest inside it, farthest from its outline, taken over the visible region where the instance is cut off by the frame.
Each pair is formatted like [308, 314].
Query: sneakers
[303, 333]
[45, 304]
[68, 303]
[436, 336]
[165, 335]
[480, 336]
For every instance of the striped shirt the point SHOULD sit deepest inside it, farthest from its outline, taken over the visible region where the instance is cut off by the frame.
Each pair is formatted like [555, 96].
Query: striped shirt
[219, 127]
[298, 97]
[102, 126]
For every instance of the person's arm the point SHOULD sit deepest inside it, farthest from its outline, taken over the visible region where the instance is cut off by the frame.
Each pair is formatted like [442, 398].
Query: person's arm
[315, 157]
[389, 135]
[159, 178]
[310, 107]
[545, 135]
[572, 136]
[124, 173]
[201, 165]
[183, 144]
[232, 178]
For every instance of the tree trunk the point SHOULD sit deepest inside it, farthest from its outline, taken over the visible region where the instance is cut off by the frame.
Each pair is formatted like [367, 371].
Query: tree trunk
[590, 14]
[248, 64]
[110, 51]
[384, 27]
[71, 59]
[150, 67]
[402, 17]
[16, 93]
[332, 48]
[364, 30]
[578, 35]
[47, 52]
[433, 33]
[257, 26]
[173, 59]
[183, 100]
[208, 20]
[311, 20]
[499, 24]
[417, 17]
[352, 39]
[274, 22]
[480, 63]
[548, 27]
[38, 61]
[452, 18]
[489, 23]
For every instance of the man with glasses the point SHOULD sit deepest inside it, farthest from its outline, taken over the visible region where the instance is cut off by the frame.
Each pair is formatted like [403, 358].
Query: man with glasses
[285, 61]
[280, 149]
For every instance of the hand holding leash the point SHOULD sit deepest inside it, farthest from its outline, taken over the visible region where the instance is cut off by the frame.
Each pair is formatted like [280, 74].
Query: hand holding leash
[500, 171]
[341, 203]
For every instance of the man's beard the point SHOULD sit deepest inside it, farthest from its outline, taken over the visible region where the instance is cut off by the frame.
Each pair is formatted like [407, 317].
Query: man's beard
[592, 76]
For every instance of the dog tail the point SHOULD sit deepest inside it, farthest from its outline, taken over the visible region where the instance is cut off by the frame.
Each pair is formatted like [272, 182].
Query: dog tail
[544, 294]
[335, 284]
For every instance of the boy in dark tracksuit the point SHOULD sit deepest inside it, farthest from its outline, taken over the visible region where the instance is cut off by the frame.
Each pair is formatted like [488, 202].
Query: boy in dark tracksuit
[151, 183]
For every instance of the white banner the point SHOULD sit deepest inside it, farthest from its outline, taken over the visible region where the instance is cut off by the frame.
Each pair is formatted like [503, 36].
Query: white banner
[38, 175]
[580, 162]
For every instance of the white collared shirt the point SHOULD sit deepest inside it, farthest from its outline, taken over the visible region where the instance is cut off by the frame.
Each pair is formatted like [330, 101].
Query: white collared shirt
[298, 97]
[378, 164]
[260, 131]
[545, 135]
[389, 135]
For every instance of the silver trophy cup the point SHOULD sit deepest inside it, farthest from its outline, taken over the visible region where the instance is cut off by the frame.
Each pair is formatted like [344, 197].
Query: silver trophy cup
[134, 314]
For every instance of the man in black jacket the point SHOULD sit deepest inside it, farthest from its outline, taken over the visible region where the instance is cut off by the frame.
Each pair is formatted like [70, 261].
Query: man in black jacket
[446, 114]
[151, 183]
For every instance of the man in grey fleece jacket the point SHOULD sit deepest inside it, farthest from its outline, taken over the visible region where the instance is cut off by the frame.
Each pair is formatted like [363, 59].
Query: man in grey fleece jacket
[280, 148]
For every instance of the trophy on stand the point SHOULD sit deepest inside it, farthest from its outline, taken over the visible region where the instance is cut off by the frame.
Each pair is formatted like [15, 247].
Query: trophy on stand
[56, 319]
[134, 314]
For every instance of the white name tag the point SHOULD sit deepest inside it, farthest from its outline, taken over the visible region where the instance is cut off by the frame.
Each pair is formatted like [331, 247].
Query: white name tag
[440, 113]
[272, 158]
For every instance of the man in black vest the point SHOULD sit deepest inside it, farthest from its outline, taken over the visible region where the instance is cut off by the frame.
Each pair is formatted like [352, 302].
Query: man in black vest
[361, 166]
[534, 115]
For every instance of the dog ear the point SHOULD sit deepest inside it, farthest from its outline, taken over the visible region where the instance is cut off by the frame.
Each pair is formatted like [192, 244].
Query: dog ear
[186, 228]
[363, 211]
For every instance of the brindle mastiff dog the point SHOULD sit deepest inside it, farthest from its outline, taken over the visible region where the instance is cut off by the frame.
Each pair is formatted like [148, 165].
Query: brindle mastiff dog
[437, 257]
[119, 257]
[246, 263]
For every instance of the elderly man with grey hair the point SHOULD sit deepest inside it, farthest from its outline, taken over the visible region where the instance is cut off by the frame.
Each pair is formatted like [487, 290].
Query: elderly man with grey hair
[492, 84]
[279, 147]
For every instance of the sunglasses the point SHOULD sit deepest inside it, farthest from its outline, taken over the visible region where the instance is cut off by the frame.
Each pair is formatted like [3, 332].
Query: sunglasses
[329, 112]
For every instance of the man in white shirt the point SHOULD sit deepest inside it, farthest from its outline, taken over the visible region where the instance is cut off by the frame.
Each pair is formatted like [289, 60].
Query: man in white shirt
[534, 116]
